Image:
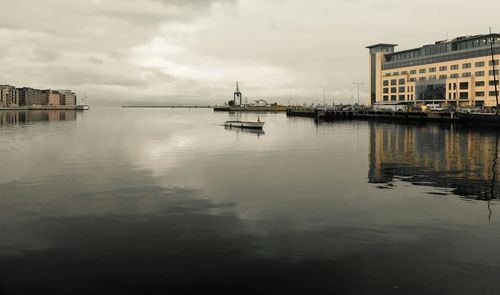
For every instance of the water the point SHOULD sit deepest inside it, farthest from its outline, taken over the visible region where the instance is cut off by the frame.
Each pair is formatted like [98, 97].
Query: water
[141, 201]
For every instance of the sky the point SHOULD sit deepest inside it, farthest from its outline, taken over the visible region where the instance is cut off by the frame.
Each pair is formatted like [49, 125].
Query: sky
[117, 52]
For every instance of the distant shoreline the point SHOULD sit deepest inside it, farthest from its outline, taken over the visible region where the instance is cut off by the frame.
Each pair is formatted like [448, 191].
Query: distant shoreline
[45, 108]
[169, 107]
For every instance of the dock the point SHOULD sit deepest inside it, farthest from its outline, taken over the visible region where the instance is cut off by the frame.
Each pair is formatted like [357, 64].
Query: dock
[332, 115]
[272, 109]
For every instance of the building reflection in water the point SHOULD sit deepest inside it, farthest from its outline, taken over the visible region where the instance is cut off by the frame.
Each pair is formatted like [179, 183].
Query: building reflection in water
[465, 160]
[26, 117]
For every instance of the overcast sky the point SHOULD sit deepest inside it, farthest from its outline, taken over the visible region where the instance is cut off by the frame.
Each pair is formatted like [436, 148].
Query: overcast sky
[192, 51]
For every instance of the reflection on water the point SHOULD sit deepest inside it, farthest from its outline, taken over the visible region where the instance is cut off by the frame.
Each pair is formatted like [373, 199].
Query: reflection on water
[442, 156]
[257, 132]
[25, 117]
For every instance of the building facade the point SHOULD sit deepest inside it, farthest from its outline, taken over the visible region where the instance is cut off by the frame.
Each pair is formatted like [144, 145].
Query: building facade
[51, 97]
[459, 72]
[29, 96]
[8, 96]
[67, 97]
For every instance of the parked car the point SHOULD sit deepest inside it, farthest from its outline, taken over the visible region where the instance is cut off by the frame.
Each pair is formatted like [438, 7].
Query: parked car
[437, 108]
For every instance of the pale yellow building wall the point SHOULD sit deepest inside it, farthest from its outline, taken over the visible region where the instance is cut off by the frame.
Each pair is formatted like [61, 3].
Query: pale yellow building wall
[428, 75]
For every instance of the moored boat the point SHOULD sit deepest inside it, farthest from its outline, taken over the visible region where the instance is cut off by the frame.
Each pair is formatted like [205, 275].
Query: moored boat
[243, 124]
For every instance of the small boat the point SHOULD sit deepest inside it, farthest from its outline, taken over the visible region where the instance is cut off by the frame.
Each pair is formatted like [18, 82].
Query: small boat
[242, 124]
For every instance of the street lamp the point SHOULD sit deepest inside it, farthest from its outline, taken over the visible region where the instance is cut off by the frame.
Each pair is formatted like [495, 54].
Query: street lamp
[358, 84]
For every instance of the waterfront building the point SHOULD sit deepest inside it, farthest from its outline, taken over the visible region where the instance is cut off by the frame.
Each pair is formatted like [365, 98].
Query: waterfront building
[67, 97]
[458, 72]
[51, 97]
[8, 96]
[29, 96]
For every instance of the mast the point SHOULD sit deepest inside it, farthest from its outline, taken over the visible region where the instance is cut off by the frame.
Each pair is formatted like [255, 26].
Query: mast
[495, 81]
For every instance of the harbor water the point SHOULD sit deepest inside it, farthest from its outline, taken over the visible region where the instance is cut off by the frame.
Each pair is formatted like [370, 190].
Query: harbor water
[142, 201]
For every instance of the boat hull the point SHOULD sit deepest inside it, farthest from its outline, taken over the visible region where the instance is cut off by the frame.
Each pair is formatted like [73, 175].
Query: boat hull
[241, 124]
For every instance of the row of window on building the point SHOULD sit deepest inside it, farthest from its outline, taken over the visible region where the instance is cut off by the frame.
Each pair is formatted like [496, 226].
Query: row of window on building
[10, 96]
[451, 96]
[478, 64]
[394, 82]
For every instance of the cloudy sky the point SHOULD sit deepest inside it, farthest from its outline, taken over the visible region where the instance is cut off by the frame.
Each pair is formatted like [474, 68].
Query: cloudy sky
[192, 51]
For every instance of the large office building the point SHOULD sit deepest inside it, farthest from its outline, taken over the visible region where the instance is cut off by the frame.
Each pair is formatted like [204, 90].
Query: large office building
[459, 72]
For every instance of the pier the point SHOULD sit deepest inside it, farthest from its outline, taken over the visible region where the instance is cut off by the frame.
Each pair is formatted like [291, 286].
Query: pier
[275, 109]
[365, 114]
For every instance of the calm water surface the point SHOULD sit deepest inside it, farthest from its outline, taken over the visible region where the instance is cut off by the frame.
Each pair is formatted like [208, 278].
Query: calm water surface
[148, 201]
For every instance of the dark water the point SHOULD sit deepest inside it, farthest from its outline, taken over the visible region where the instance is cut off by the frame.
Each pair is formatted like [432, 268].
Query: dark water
[142, 201]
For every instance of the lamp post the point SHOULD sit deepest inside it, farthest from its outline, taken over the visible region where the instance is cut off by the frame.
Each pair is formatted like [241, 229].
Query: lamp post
[324, 94]
[358, 84]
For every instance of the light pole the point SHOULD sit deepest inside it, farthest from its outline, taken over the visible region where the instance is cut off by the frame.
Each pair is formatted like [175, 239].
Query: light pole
[358, 84]
[324, 94]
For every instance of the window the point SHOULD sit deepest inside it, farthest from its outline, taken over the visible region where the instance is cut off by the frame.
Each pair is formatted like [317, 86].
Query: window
[464, 95]
[454, 76]
[408, 90]
[394, 82]
[432, 77]
[493, 93]
[421, 71]
[394, 97]
[480, 94]
[432, 70]
[449, 95]
[395, 74]
[401, 81]
[386, 82]
[404, 72]
[401, 89]
[479, 74]
[421, 79]
[443, 77]
[413, 72]
[386, 90]
[464, 85]
[479, 64]
[454, 67]
[443, 68]
[479, 83]
[387, 74]
[493, 73]
[468, 74]
[490, 63]
[454, 86]
[466, 66]
[413, 79]
[449, 86]
[454, 95]
[493, 82]
[402, 97]
[386, 98]
[394, 89]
